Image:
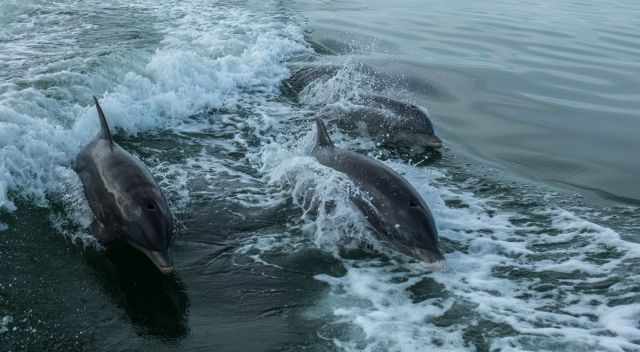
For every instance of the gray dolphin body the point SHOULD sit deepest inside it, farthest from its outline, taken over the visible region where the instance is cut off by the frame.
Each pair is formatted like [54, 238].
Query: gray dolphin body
[394, 209]
[126, 201]
[302, 77]
[394, 123]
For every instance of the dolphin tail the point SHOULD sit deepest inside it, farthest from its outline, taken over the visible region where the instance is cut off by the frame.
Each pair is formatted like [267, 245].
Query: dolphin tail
[322, 136]
[106, 133]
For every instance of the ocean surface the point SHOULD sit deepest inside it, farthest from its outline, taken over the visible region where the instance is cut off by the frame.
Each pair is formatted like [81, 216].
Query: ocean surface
[535, 193]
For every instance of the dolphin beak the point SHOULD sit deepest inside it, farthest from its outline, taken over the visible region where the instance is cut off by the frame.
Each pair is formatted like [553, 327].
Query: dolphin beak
[433, 260]
[434, 142]
[161, 260]
[418, 142]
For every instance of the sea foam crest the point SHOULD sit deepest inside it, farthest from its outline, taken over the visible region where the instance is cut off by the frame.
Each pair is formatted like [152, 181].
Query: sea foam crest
[191, 71]
[323, 194]
[515, 281]
[337, 90]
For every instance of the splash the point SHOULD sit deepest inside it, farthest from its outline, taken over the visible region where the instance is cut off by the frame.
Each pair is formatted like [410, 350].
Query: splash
[208, 57]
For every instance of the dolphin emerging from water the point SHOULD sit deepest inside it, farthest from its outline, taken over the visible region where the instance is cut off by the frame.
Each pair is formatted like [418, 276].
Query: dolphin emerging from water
[398, 125]
[395, 210]
[408, 126]
[126, 201]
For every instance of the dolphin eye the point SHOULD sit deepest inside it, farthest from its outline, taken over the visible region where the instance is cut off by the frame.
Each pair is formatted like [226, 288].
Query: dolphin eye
[413, 204]
[150, 206]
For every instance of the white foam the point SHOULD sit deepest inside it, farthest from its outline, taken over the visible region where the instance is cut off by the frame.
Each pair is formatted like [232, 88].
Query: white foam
[623, 320]
[374, 303]
[322, 193]
[339, 90]
[385, 315]
[522, 272]
[4, 324]
[189, 72]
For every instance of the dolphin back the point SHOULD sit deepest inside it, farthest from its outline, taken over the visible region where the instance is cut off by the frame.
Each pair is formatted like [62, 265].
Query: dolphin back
[393, 207]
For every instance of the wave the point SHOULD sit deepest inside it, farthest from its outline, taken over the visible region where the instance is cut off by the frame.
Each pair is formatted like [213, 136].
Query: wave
[516, 278]
[207, 58]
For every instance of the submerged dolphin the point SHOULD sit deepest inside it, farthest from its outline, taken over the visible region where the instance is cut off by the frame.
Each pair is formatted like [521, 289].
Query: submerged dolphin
[395, 210]
[302, 77]
[127, 203]
[397, 124]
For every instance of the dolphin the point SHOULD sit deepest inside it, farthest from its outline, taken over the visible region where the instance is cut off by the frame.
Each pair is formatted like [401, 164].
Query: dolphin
[394, 209]
[302, 77]
[394, 123]
[126, 201]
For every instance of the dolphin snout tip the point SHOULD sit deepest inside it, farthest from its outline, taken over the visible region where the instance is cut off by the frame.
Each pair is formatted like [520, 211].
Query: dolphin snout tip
[166, 269]
[434, 261]
[434, 142]
[423, 144]
[437, 266]
[160, 259]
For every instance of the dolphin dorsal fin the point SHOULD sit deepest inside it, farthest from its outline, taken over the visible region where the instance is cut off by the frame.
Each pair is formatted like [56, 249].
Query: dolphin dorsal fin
[106, 133]
[322, 136]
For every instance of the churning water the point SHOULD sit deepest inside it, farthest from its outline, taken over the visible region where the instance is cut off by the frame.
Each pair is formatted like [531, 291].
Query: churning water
[535, 101]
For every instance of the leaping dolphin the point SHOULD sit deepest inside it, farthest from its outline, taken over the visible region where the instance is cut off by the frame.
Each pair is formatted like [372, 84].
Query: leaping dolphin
[394, 209]
[126, 201]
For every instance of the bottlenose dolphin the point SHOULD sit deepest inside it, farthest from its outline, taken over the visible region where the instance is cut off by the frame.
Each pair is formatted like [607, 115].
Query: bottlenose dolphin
[302, 77]
[394, 209]
[126, 201]
[395, 124]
